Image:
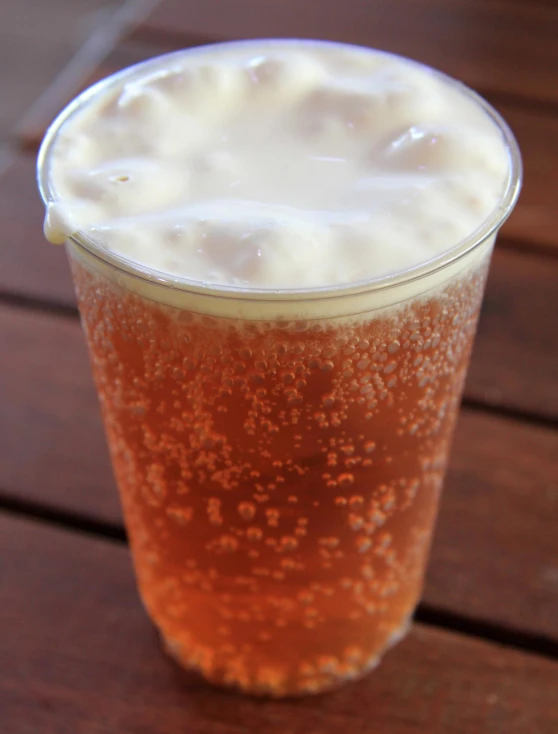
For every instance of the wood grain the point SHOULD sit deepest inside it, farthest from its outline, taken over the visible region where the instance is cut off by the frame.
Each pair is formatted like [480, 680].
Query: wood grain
[29, 266]
[495, 555]
[494, 45]
[83, 657]
[534, 221]
[515, 358]
[495, 552]
[52, 451]
[36, 40]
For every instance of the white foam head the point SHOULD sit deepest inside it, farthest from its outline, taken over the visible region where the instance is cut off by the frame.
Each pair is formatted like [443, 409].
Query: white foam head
[276, 165]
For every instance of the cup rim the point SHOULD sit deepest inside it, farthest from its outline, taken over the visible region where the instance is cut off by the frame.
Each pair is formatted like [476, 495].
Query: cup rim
[461, 249]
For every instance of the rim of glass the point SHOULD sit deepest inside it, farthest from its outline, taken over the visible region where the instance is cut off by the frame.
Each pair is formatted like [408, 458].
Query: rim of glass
[134, 269]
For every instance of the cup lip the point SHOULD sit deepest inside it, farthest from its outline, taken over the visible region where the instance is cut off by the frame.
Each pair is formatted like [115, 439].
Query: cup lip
[487, 229]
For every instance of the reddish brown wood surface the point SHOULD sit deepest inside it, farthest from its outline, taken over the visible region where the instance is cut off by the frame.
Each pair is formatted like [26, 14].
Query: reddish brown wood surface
[515, 358]
[52, 451]
[29, 267]
[495, 555]
[535, 218]
[491, 44]
[80, 656]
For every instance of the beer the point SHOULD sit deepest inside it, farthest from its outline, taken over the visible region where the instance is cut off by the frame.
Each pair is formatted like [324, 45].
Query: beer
[279, 480]
[279, 251]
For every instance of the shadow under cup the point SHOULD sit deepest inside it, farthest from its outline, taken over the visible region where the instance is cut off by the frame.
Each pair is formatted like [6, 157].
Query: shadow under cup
[280, 455]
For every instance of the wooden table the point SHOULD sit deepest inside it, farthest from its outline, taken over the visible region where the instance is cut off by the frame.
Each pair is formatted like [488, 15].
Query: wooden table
[77, 653]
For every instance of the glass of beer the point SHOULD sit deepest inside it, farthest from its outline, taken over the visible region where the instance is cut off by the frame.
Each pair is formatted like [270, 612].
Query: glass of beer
[279, 451]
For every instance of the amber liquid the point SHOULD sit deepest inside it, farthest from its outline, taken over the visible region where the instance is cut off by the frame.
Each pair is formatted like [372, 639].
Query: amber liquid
[279, 481]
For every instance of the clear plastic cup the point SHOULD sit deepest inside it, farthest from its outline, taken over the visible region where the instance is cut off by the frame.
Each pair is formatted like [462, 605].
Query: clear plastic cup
[280, 455]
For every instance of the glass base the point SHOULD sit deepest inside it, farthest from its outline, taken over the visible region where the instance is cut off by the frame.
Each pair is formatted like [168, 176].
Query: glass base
[271, 681]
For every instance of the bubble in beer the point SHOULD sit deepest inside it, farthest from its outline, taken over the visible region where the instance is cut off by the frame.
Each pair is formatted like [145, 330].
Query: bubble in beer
[228, 543]
[272, 516]
[246, 510]
[305, 598]
[330, 542]
[254, 533]
[356, 522]
[363, 544]
[345, 480]
[289, 564]
[180, 515]
[288, 543]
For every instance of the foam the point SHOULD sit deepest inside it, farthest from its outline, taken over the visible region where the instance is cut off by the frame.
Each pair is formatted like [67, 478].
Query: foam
[275, 166]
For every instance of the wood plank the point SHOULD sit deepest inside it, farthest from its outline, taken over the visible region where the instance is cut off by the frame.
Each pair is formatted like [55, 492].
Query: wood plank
[535, 218]
[495, 552]
[516, 350]
[534, 224]
[53, 450]
[84, 658]
[37, 39]
[500, 503]
[37, 61]
[491, 44]
[29, 267]
[95, 39]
